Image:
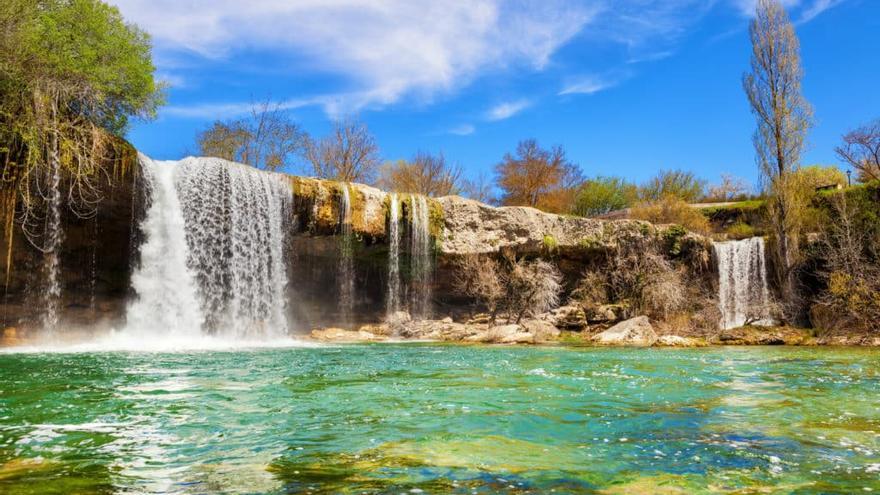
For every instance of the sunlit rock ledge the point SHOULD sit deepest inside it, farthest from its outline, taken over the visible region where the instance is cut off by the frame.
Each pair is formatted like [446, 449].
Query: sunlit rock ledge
[464, 226]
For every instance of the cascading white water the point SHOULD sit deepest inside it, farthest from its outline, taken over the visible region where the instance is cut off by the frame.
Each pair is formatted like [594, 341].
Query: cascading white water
[743, 293]
[393, 298]
[51, 247]
[166, 302]
[345, 271]
[420, 257]
[217, 237]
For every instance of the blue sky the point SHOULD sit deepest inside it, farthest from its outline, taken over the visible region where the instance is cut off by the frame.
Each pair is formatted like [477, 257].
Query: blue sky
[627, 87]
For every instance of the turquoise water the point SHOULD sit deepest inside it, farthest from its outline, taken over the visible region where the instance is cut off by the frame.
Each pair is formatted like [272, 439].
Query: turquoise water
[442, 419]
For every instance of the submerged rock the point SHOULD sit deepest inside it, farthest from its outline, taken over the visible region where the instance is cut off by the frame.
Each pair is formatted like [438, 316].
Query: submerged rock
[679, 341]
[765, 336]
[636, 332]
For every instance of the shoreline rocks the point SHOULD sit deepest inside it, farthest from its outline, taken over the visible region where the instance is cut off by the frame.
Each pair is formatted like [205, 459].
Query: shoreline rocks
[634, 332]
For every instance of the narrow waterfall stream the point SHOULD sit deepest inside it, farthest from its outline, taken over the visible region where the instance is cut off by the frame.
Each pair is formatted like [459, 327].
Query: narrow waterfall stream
[345, 270]
[213, 260]
[393, 298]
[420, 257]
[53, 237]
[743, 292]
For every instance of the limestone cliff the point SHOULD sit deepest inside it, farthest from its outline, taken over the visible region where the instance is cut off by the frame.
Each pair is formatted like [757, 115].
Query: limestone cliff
[98, 253]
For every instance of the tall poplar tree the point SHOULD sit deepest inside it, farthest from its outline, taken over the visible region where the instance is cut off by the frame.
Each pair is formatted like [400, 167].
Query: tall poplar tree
[784, 117]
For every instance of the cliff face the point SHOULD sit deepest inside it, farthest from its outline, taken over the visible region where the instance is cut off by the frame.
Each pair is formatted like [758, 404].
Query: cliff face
[97, 254]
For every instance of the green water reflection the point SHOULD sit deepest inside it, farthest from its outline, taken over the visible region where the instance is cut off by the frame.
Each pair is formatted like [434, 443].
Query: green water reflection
[442, 419]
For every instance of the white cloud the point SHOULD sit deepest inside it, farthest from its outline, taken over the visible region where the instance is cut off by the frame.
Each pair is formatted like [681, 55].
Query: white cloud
[817, 8]
[589, 85]
[463, 130]
[801, 10]
[507, 109]
[378, 52]
[384, 50]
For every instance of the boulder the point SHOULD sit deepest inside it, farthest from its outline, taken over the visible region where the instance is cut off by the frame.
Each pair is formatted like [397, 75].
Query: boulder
[376, 329]
[397, 322]
[636, 332]
[480, 319]
[440, 330]
[542, 331]
[333, 334]
[606, 313]
[510, 334]
[501, 334]
[569, 317]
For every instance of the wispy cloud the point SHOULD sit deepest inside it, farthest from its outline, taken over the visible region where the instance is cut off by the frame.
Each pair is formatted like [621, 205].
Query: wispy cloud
[585, 85]
[384, 50]
[802, 11]
[463, 130]
[817, 8]
[507, 109]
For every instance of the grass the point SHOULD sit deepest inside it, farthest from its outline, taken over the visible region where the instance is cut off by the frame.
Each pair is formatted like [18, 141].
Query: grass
[750, 204]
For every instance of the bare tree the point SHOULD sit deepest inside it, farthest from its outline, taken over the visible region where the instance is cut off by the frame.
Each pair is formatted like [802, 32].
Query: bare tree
[784, 117]
[850, 247]
[349, 153]
[861, 150]
[267, 138]
[533, 288]
[480, 278]
[425, 174]
[729, 189]
[479, 189]
[516, 287]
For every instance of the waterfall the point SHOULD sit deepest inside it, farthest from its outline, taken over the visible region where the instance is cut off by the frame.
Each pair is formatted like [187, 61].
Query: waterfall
[420, 257]
[166, 292]
[213, 260]
[393, 299]
[51, 247]
[743, 293]
[345, 269]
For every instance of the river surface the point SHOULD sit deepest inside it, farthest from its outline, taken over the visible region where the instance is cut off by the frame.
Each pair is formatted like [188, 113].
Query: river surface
[424, 418]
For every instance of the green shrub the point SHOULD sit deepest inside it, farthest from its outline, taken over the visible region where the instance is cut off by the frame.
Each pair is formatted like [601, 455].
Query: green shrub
[740, 230]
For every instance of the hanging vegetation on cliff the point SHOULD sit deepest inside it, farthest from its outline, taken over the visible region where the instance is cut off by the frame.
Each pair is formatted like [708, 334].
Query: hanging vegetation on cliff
[72, 75]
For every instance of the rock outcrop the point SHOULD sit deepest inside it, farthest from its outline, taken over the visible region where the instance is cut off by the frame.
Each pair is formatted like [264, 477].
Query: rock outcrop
[636, 332]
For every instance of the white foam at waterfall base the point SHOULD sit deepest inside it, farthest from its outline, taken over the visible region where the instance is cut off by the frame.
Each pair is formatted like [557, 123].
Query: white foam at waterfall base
[743, 292]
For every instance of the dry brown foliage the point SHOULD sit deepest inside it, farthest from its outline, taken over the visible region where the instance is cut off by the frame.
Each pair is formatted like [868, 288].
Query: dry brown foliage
[672, 210]
[514, 287]
[538, 177]
[425, 174]
[348, 154]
